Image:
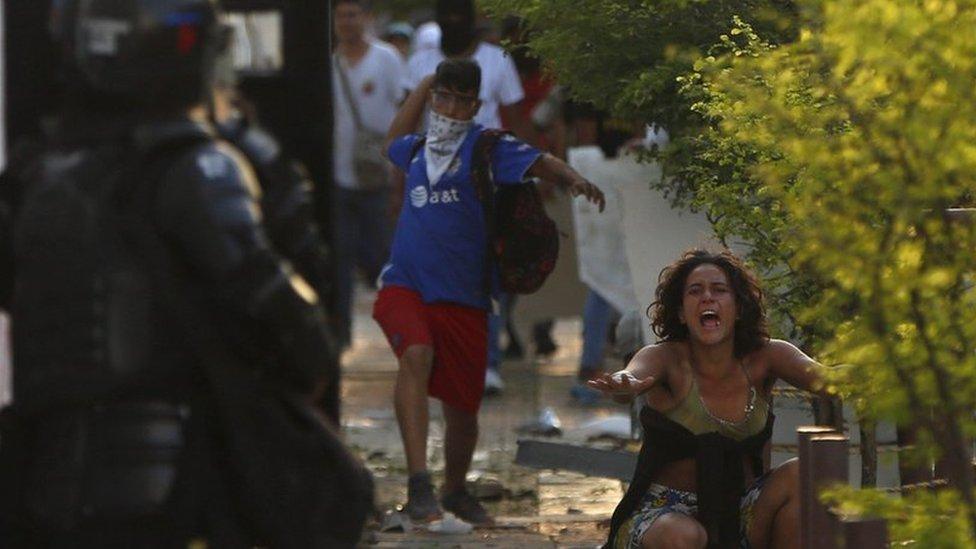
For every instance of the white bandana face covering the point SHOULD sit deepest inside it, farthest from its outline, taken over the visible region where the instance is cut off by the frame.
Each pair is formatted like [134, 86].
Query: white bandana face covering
[444, 138]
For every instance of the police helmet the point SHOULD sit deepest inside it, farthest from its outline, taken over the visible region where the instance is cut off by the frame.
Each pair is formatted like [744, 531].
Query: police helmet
[147, 51]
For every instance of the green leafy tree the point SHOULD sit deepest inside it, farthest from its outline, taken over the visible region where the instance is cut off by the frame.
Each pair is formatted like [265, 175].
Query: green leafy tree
[870, 118]
[833, 158]
[646, 61]
[626, 55]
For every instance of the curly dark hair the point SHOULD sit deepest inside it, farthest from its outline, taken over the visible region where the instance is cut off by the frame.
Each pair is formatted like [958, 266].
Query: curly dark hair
[751, 331]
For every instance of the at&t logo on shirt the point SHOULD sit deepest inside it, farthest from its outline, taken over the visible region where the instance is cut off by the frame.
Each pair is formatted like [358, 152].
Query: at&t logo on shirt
[419, 197]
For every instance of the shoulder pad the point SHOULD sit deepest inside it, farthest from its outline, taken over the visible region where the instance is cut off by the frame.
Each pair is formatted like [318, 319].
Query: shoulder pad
[216, 166]
[256, 144]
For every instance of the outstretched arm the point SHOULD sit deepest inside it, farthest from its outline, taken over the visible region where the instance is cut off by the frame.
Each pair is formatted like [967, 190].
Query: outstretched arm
[407, 119]
[646, 369]
[792, 365]
[550, 168]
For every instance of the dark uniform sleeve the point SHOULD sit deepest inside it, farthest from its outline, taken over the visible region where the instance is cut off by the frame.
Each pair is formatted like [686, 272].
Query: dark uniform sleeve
[288, 207]
[208, 206]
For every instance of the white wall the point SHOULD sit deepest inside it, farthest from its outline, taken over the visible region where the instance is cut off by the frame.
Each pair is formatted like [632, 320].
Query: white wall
[655, 235]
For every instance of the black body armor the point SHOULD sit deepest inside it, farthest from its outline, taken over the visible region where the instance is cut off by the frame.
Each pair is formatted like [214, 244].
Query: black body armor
[104, 380]
[113, 438]
[286, 202]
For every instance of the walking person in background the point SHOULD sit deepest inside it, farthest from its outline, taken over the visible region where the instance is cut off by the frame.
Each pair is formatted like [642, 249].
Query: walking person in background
[500, 94]
[399, 35]
[501, 89]
[435, 295]
[367, 79]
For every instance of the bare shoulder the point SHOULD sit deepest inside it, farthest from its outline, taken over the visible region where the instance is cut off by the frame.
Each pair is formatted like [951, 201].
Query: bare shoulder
[671, 363]
[665, 361]
[780, 359]
[659, 355]
[777, 350]
[762, 362]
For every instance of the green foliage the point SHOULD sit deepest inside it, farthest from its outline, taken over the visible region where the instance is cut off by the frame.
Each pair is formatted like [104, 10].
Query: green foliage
[925, 519]
[870, 118]
[625, 55]
[648, 60]
[832, 158]
[711, 170]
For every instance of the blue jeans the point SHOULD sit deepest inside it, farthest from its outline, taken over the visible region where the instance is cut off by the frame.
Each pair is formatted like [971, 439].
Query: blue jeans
[362, 239]
[496, 322]
[597, 315]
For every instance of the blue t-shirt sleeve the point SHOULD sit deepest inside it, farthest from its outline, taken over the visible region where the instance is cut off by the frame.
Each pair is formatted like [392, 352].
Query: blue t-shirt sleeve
[400, 149]
[511, 158]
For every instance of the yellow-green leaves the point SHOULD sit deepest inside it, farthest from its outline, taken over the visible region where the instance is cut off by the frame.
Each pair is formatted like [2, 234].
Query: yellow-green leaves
[871, 116]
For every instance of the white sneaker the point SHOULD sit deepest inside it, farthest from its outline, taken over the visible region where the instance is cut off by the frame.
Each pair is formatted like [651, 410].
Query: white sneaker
[493, 382]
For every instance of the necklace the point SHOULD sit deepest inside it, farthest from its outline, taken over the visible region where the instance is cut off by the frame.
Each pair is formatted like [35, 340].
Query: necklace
[750, 404]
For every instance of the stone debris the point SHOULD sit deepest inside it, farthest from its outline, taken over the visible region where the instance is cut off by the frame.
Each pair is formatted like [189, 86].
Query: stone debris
[450, 524]
[487, 487]
[616, 426]
[547, 425]
[395, 521]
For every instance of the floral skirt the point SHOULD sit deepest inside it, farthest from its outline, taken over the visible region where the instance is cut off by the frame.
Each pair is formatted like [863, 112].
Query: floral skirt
[661, 500]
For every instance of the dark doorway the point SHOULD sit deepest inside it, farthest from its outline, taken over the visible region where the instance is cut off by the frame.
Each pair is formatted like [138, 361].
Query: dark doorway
[30, 62]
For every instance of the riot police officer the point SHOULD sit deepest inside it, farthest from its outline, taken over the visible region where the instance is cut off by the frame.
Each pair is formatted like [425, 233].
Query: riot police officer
[108, 442]
[286, 198]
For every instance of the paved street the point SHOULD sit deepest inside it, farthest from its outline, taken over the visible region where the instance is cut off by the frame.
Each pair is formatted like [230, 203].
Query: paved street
[535, 508]
[568, 503]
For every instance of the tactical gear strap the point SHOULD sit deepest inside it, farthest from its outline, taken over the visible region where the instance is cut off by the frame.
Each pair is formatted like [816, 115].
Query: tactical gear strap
[484, 186]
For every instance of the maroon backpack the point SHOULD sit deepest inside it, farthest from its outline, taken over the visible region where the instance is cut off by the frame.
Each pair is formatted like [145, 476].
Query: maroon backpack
[522, 239]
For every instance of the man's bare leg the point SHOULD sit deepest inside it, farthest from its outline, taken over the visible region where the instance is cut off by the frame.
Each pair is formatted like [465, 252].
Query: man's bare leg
[410, 402]
[460, 439]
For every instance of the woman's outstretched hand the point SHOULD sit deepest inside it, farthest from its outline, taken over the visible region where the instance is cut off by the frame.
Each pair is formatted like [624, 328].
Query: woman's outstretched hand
[622, 385]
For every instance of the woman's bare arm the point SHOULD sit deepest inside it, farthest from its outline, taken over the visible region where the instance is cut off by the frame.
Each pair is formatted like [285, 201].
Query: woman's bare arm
[792, 365]
[648, 368]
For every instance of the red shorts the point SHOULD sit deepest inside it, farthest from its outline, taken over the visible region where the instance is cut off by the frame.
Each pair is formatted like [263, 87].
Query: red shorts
[458, 335]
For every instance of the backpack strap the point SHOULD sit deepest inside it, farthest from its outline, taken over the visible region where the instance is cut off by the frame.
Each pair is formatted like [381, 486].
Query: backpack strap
[484, 187]
[417, 145]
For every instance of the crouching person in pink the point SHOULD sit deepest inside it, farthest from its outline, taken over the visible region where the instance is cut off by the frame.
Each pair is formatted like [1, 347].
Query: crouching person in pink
[435, 290]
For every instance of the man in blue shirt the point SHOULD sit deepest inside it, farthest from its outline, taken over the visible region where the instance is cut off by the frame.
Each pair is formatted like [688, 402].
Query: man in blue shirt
[433, 302]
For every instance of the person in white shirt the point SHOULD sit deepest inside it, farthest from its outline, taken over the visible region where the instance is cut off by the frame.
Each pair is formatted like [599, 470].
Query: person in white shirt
[501, 88]
[367, 84]
[427, 37]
